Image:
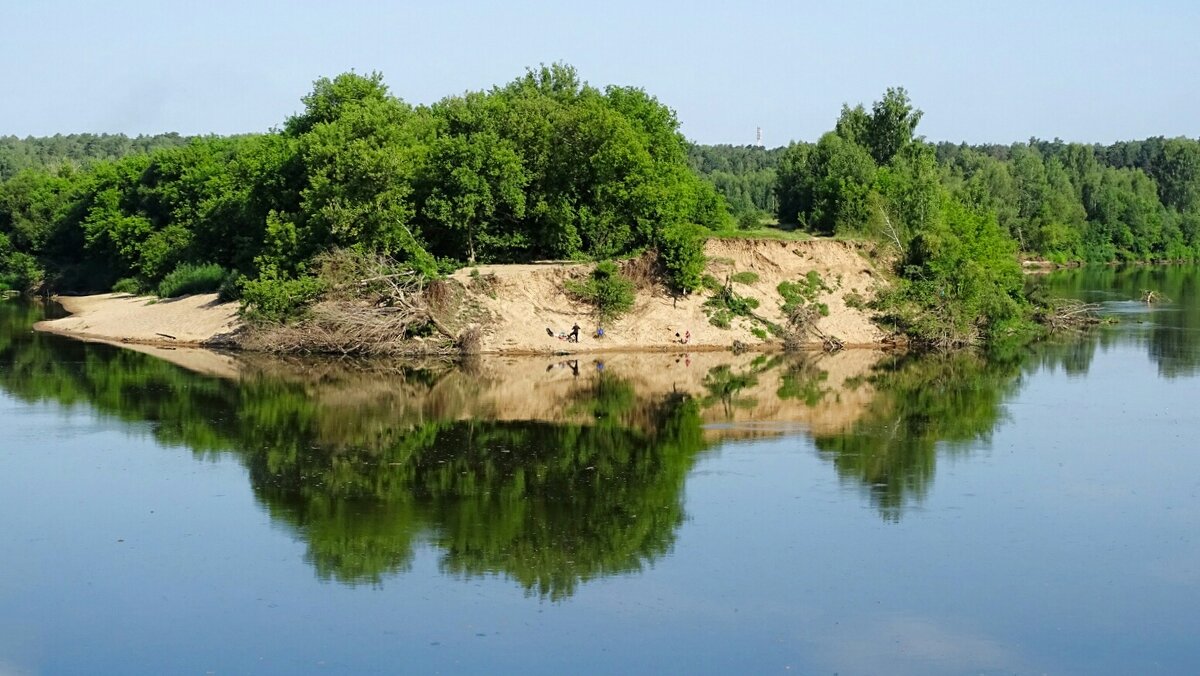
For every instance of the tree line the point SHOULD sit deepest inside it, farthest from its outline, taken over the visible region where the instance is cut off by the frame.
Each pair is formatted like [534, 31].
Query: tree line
[78, 150]
[546, 166]
[1128, 201]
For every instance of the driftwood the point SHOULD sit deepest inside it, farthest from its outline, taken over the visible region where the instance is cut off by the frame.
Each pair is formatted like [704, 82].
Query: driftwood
[802, 324]
[373, 308]
[1068, 315]
[1150, 297]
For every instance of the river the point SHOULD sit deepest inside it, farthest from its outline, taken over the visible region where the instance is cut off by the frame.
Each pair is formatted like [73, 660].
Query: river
[1031, 511]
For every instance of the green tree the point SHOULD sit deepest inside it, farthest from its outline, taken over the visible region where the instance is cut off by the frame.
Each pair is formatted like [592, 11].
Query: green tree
[476, 188]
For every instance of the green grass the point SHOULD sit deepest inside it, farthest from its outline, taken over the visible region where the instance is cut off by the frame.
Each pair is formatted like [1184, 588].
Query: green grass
[765, 233]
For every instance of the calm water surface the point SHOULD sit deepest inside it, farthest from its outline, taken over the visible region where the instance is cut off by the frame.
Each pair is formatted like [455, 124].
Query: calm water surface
[1032, 512]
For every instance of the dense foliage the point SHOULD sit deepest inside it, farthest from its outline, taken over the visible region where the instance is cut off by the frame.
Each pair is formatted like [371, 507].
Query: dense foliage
[958, 279]
[544, 167]
[1133, 200]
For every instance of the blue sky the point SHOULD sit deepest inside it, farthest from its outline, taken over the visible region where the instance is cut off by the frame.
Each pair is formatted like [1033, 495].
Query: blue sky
[999, 71]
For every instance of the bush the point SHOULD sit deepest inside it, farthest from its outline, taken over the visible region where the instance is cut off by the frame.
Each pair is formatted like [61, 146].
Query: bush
[19, 271]
[681, 250]
[231, 289]
[726, 304]
[745, 277]
[129, 285]
[277, 298]
[609, 292]
[803, 293]
[749, 220]
[188, 279]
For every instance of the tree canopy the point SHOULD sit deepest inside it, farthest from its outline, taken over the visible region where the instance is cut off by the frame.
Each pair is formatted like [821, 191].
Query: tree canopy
[546, 166]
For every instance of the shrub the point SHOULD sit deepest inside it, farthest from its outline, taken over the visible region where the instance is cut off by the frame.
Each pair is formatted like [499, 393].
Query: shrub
[274, 297]
[606, 289]
[129, 285]
[726, 304]
[189, 279]
[681, 251]
[231, 288]
[721, 318]
[749, 220]
[18, 270]
[804, 292]
[745, 277]
[960, 283]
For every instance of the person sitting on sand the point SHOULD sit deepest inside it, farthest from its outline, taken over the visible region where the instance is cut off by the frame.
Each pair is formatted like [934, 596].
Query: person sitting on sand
[574, 336]
[549, 332]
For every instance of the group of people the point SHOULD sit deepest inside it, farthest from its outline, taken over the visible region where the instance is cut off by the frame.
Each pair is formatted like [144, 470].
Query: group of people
[573, 336]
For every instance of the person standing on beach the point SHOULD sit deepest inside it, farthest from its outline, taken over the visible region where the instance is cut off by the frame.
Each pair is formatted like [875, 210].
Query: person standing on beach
[574, 337]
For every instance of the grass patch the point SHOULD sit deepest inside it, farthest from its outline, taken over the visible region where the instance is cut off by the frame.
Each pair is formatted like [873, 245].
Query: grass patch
[765, 233]
[744, 277]
[855, 301]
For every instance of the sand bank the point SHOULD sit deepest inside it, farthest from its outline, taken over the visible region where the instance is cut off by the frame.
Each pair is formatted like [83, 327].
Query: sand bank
[118, 317]
[518, 303]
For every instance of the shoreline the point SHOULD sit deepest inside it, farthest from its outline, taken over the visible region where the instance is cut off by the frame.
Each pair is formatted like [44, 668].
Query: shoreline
[523, 308]
[187, 321]
[107, 318]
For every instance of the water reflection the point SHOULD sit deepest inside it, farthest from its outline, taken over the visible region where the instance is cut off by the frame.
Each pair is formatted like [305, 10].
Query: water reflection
[923, 406]
[550, 472]
[1170, 330]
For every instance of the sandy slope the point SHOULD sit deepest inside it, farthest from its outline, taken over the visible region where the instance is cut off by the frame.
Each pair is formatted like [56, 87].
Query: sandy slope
[189, 320]
[522, 301]
[528, 299]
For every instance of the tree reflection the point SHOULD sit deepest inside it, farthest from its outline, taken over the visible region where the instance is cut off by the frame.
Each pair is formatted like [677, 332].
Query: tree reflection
[366, 466]
[923, 405]
[549, 505]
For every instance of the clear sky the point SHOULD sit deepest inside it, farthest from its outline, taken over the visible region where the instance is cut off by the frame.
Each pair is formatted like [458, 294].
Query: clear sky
[1095, 71]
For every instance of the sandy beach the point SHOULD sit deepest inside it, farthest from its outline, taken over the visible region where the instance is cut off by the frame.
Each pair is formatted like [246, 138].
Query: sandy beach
[522, 305]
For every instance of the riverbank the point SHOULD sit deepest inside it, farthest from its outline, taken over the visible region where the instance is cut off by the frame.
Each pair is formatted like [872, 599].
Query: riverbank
[198, 320]
[524, 309]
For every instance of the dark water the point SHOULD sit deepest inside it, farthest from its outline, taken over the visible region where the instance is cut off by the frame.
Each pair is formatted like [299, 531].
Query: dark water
[1030, 512]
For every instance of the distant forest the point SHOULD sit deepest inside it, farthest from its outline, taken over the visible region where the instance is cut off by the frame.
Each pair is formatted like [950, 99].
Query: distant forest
[77, 150]
[1132, 200]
